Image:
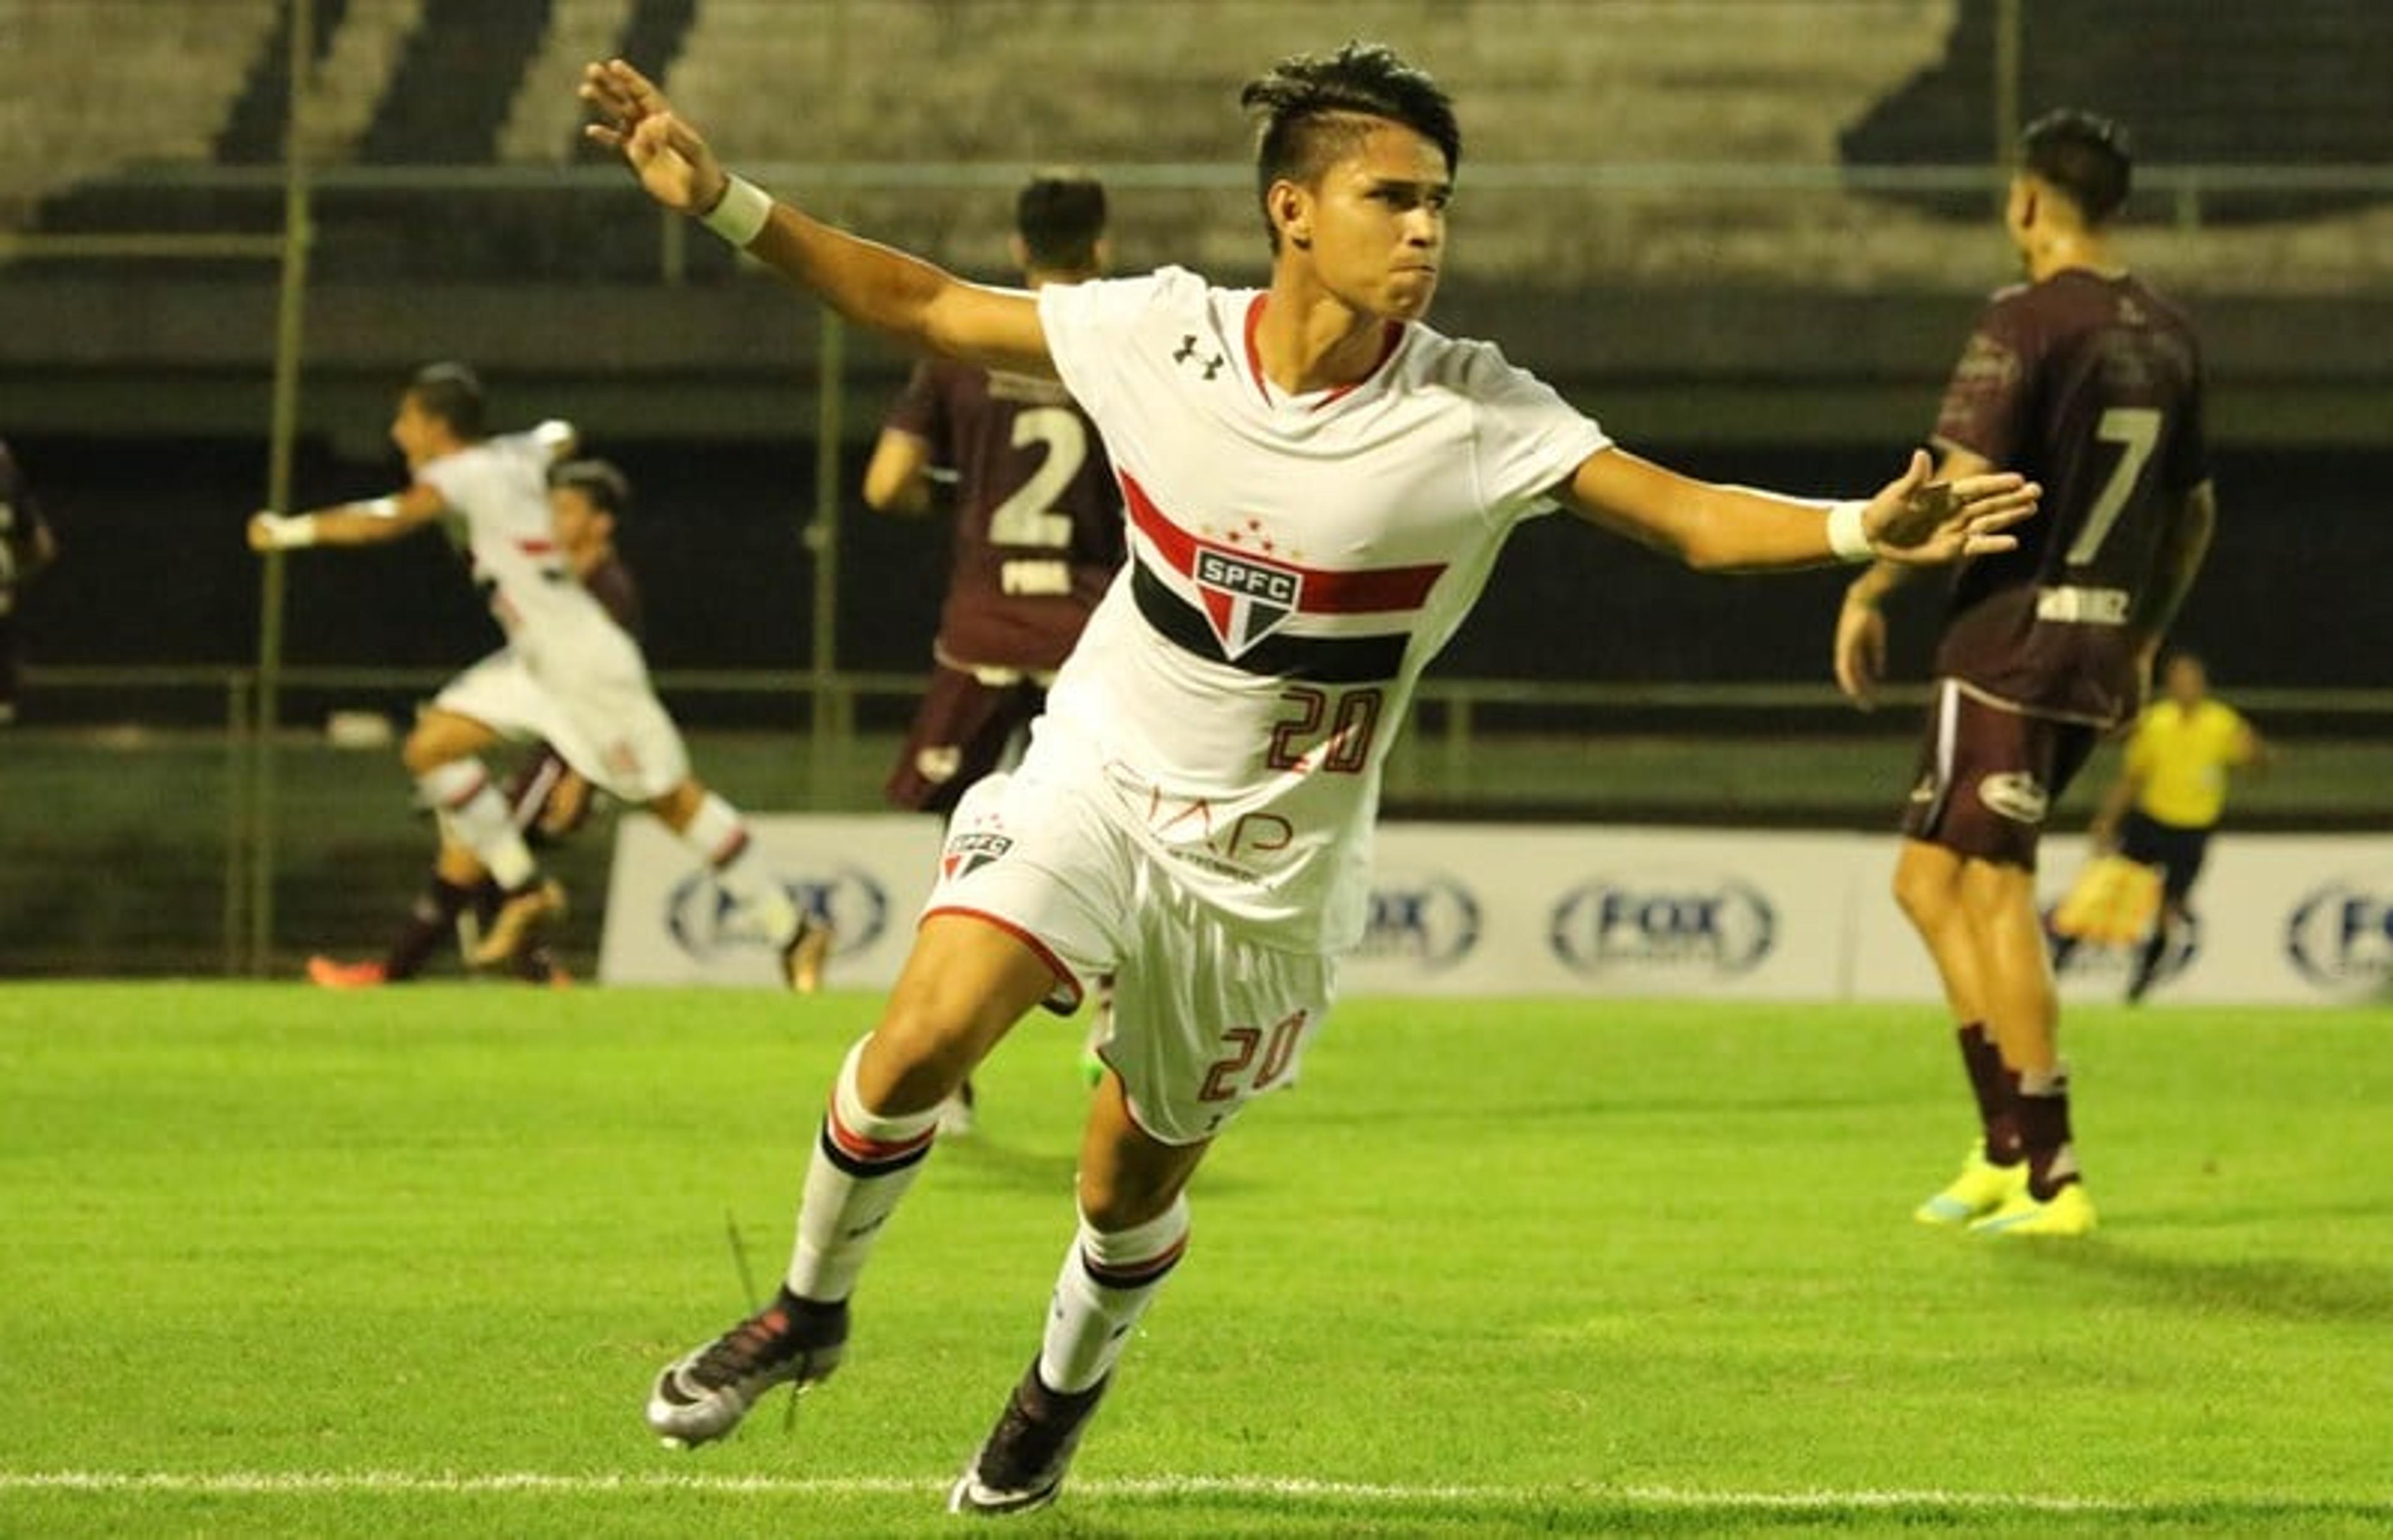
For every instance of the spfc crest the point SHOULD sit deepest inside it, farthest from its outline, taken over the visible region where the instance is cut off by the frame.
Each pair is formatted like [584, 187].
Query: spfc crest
[970, 850]
[1246, 598]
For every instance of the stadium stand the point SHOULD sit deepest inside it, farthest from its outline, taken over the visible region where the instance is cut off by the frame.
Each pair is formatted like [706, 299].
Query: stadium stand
[158, 92]
[1687, 142]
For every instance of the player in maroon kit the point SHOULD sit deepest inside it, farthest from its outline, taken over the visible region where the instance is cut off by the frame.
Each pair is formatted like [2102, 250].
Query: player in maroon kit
[1038, 519]
[2088, 381]
[1038, 532]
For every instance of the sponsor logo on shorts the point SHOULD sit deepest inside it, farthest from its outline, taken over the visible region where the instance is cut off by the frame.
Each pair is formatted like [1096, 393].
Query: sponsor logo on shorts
[1721, 926]
[1246, 598]
[2340, 936]
[970, 850]
[2015, 794]
[1431, 921]
[703, 922]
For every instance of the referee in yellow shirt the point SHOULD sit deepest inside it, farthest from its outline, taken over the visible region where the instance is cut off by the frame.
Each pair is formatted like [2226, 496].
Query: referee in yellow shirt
[2171, 792]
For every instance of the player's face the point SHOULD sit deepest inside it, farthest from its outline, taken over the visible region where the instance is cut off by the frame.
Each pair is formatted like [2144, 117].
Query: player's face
[412, 429]
[2186, 681]
[581, 527]
[1377, 223]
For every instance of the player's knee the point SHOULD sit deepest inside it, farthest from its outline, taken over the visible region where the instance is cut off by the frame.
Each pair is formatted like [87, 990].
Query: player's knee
[918, 1054]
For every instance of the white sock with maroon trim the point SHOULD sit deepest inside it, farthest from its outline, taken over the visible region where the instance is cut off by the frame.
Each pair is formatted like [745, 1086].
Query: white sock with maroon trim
[719, 835]
[463, 793]
[1108, 1282]
[863, 1163]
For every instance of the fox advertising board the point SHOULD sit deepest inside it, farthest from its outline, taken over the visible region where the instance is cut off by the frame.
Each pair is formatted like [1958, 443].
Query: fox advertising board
[1565, 910]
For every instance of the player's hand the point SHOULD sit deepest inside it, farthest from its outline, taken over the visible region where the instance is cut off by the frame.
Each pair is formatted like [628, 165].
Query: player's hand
[1924, 523]
[271, 531]
[1860, 651]
[669, 156]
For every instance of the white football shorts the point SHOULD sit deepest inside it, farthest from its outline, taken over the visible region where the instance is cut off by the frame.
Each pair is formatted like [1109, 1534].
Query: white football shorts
[1206, 1018]
[608, 725]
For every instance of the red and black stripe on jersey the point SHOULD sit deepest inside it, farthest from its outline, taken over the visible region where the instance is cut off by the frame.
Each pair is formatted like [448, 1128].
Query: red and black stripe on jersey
[1248, 594]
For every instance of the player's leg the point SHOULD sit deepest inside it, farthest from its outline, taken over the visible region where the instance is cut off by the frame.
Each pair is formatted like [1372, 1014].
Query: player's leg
[1133, 1227]
[1998, 892]
[964, 984]
[718, 835]
[1927, 890]
[496, 698]
[453, 887]
[1210, 1020]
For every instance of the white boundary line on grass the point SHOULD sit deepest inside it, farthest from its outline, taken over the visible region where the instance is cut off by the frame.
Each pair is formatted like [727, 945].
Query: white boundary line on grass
[275, 1484]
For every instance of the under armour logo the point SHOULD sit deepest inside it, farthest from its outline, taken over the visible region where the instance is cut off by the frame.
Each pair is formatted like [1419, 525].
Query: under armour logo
[1187, 353]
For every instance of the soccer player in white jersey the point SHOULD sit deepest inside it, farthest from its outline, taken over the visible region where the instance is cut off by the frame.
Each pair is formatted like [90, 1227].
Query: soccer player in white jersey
[568, 673]
[1317, 486]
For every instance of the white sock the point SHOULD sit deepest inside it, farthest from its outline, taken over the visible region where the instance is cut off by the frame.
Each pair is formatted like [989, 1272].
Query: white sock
[862, 1164]
[463, 793]
[1106, 1284]
[720, 837]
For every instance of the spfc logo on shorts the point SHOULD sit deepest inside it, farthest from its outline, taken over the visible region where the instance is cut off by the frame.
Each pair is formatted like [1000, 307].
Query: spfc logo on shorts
[969, 851]
[1246, 598]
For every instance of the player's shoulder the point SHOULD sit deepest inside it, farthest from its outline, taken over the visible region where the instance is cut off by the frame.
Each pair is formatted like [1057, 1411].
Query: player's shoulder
[1470, 365]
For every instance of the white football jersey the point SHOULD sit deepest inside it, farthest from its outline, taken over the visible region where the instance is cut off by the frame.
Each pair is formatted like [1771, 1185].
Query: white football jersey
[499, 489]
[1295, 563]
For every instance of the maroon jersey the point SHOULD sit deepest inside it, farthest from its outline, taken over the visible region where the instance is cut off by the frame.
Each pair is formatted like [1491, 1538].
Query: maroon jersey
[1039, 524]
[2091, 386]
[611, 583]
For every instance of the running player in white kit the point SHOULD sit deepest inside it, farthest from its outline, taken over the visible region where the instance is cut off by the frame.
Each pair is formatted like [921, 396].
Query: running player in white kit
[1317, 484]
[568, 673]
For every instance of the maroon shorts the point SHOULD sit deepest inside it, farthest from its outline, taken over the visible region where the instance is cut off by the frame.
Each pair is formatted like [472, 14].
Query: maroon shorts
[1989, 776]
[959, 734]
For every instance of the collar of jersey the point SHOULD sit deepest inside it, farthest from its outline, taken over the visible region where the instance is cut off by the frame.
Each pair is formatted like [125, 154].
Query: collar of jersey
[1392, 334]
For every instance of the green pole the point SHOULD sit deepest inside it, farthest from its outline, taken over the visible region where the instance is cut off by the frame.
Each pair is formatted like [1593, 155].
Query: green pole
[284, 434]
[826, 718]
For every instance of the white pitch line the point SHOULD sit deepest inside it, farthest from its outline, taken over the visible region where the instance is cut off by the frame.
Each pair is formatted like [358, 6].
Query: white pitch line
[274, 1483]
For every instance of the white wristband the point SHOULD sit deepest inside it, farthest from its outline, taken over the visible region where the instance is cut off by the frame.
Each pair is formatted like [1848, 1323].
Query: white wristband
[381, 508]
[1848, 534]
[739, 215]
[287, 534]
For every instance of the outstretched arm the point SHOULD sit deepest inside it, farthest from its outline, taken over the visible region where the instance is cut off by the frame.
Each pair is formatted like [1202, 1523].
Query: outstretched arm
[920, 305]
[368, 522]
[1721, 528]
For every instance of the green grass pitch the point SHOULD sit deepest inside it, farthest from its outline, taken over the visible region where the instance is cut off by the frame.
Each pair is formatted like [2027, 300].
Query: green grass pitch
[278, 1262]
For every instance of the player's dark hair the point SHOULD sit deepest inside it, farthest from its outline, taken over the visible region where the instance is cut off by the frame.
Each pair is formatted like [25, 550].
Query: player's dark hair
[2085, 155]
[451, 392]
[1061, 217]
[607, 489]
[1314, 107]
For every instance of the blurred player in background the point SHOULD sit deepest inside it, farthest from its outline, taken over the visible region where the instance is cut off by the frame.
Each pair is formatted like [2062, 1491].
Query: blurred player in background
[567, 673]
[26, 547]
[2171, 792]
[1036, 539]
[549, 798]
[1318, 485]
[2088, 381]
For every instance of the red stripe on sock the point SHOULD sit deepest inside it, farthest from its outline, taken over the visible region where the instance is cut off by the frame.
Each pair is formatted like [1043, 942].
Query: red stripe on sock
[461, 798]
[859, 1147]
[1134, 1275]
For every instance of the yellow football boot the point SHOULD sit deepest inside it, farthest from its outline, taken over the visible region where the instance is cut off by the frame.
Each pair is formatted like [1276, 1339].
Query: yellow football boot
[1981, 1189]
[2067, 1212]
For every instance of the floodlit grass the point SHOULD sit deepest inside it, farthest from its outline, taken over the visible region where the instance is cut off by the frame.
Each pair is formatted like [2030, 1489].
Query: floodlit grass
[403, 1262]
